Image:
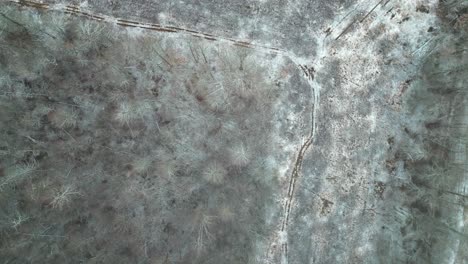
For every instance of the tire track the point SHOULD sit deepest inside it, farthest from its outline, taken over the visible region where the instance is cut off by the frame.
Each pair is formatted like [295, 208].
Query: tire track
[78, 11]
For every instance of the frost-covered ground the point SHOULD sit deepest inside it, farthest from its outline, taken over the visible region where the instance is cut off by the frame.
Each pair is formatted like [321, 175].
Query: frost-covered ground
[233, 132]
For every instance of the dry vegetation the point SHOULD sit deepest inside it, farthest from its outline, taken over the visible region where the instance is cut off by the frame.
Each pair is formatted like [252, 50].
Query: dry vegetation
[123, 147]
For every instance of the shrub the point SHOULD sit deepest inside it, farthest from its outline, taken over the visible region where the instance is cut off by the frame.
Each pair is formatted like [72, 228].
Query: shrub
[63, 197]
[202, 224]
[16, 174]
[225, 213]
[131, 111]
[214, 173]
[63, 117]
[239, 155]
